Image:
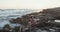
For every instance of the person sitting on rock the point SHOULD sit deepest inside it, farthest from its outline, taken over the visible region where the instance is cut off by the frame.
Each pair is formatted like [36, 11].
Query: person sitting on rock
[31, 21]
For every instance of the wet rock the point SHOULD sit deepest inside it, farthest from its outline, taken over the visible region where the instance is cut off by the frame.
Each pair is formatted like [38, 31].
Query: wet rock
[46, 18]
[6, 28]
[17, 29]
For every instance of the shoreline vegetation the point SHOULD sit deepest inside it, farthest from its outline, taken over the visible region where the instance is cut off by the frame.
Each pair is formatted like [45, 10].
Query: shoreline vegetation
[43, 20]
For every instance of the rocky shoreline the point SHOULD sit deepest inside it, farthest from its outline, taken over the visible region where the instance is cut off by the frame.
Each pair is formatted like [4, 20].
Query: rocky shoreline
[44, 16]
[44, 21]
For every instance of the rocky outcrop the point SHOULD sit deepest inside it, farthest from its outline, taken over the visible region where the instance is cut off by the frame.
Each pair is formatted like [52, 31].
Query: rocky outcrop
[46, 17]
[55, 12]
[6, 28]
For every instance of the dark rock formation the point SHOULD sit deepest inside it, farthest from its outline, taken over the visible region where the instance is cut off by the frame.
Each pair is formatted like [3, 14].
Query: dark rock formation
[16, 29]
[6, 28]
[55, 12]
[44, 17]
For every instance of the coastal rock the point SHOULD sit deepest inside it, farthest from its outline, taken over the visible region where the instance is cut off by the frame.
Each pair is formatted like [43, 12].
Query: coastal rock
[47, 16]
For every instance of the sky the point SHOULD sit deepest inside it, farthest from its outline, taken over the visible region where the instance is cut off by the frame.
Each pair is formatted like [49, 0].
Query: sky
[29, 4]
